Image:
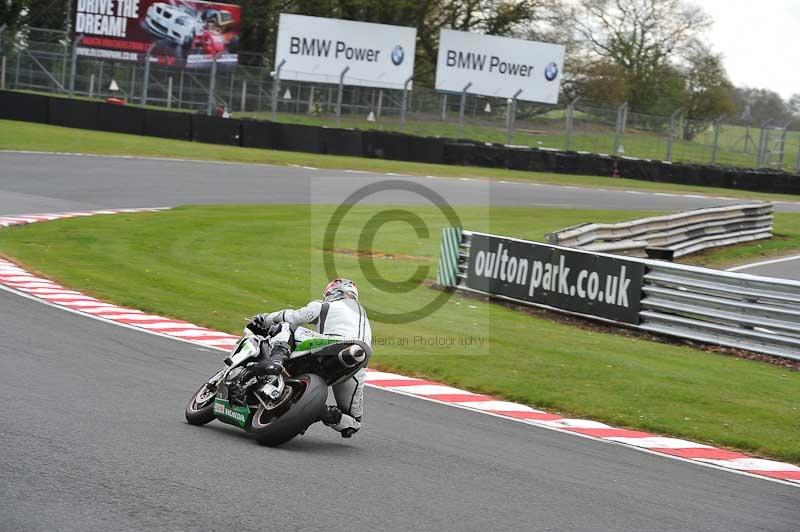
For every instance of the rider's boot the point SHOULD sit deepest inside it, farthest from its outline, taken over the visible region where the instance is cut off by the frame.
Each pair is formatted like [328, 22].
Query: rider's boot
[273, 365]
[342, 423]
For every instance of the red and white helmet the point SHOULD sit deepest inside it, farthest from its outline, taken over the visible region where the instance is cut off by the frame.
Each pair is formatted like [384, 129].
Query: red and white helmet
[339, 289]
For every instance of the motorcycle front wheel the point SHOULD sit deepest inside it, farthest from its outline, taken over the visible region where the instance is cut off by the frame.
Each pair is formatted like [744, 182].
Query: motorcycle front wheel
[306, 405]
[200, 409]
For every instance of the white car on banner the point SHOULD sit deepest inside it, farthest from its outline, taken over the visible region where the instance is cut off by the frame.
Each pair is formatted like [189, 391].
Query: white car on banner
[172, 23]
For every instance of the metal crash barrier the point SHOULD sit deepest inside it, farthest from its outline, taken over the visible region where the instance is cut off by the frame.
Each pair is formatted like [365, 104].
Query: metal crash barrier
[753, 313]
[673, 235]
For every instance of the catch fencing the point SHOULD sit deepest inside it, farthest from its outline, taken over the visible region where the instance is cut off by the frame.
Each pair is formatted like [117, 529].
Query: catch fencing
[736, 310]
[44, 61]
[672, 235]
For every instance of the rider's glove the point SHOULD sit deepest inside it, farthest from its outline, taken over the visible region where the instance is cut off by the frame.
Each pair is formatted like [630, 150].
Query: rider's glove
[260, 323]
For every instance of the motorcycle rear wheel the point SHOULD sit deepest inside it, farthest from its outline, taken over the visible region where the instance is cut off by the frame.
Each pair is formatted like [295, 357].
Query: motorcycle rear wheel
[273, 428]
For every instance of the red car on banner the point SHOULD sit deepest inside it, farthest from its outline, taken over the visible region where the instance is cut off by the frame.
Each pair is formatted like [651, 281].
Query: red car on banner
[176, 32]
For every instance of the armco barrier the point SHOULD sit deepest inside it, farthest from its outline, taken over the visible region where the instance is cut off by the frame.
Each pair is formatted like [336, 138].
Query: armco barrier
[384, 145]
[73, 113]
[216, 130]
[672, 235]
[120, 119]
[731, 309]
[25, 107]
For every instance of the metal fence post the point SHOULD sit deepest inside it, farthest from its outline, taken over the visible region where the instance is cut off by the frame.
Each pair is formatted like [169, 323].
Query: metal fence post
[461, 109]
[797, 162]
[244, 95]
[276, 86]
[212, 82]
[715, 149]
[673, 121]
[169, 92]
[100, 80]
[180, 89]
[621, 114]
[444, 107]
[133, 83]
[782, 156]
[339, 97]
[762, 144]
[380, 105]
[64, 45]
[91, 86]
[571, 121]
[16, 69]
[3, 59]
[404, 102]
[74, 68]
[146, 84]
[512, 115]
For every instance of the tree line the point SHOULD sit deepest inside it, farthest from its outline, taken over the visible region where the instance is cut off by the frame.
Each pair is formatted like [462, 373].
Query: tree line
[649, 53]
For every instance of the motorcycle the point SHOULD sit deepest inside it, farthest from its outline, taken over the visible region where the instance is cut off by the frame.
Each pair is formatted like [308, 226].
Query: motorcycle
[276, 408]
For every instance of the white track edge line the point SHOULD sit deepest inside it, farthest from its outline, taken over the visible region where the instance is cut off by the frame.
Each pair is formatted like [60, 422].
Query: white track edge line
[763, 263]
[421, 397]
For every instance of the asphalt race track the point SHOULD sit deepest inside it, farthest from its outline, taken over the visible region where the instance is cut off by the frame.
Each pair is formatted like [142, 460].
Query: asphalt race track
[46, 183]
[94, 439]
[786, 268]
[93, 436]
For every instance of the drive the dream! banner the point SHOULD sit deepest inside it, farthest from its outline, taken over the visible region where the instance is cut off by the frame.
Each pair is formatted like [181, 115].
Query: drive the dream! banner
[577, 281]
[181, 33]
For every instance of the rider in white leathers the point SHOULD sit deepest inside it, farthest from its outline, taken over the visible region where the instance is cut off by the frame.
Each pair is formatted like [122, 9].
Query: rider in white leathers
[338, 314]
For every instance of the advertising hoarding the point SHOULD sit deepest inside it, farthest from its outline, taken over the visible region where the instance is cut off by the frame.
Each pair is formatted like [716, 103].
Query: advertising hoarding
[577, 281]
[182, 32]
[318, 49]
[499, 66]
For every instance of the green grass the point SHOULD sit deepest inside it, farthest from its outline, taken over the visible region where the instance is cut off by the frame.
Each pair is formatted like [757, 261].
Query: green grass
[37, 137]
[216, 265]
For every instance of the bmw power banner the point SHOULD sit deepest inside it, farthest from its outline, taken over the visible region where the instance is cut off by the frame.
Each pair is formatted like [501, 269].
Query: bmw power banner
[319, 49]
[499, 66]
[181, 33]
[578, 281]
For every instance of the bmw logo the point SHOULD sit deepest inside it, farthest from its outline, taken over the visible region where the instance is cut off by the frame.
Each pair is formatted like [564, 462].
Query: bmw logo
[551, 72]
[397, 55]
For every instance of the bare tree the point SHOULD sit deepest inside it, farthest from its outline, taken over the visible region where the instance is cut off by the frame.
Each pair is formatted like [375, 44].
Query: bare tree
[643, 37]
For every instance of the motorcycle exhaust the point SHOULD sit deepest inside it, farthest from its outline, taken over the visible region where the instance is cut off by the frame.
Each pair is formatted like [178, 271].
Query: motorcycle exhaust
[352, 356]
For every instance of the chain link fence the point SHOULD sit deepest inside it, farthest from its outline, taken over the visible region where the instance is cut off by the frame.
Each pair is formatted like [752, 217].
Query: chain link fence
[43, 61]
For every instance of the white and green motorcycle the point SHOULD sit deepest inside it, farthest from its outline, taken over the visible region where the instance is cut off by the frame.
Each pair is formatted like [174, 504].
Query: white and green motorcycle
[276, 408]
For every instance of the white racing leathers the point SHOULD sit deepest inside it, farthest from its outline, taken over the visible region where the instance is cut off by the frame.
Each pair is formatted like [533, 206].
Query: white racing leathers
[344, 318]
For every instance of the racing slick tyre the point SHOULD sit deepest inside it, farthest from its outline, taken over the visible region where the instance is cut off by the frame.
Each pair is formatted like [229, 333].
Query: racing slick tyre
[303, 403]
[200, 409]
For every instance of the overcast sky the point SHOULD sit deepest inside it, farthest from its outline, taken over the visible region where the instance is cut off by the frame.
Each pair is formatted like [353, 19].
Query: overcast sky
[760, 40]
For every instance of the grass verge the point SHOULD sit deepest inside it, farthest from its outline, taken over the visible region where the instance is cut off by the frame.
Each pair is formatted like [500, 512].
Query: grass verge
[38, 137]
[216, 265]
